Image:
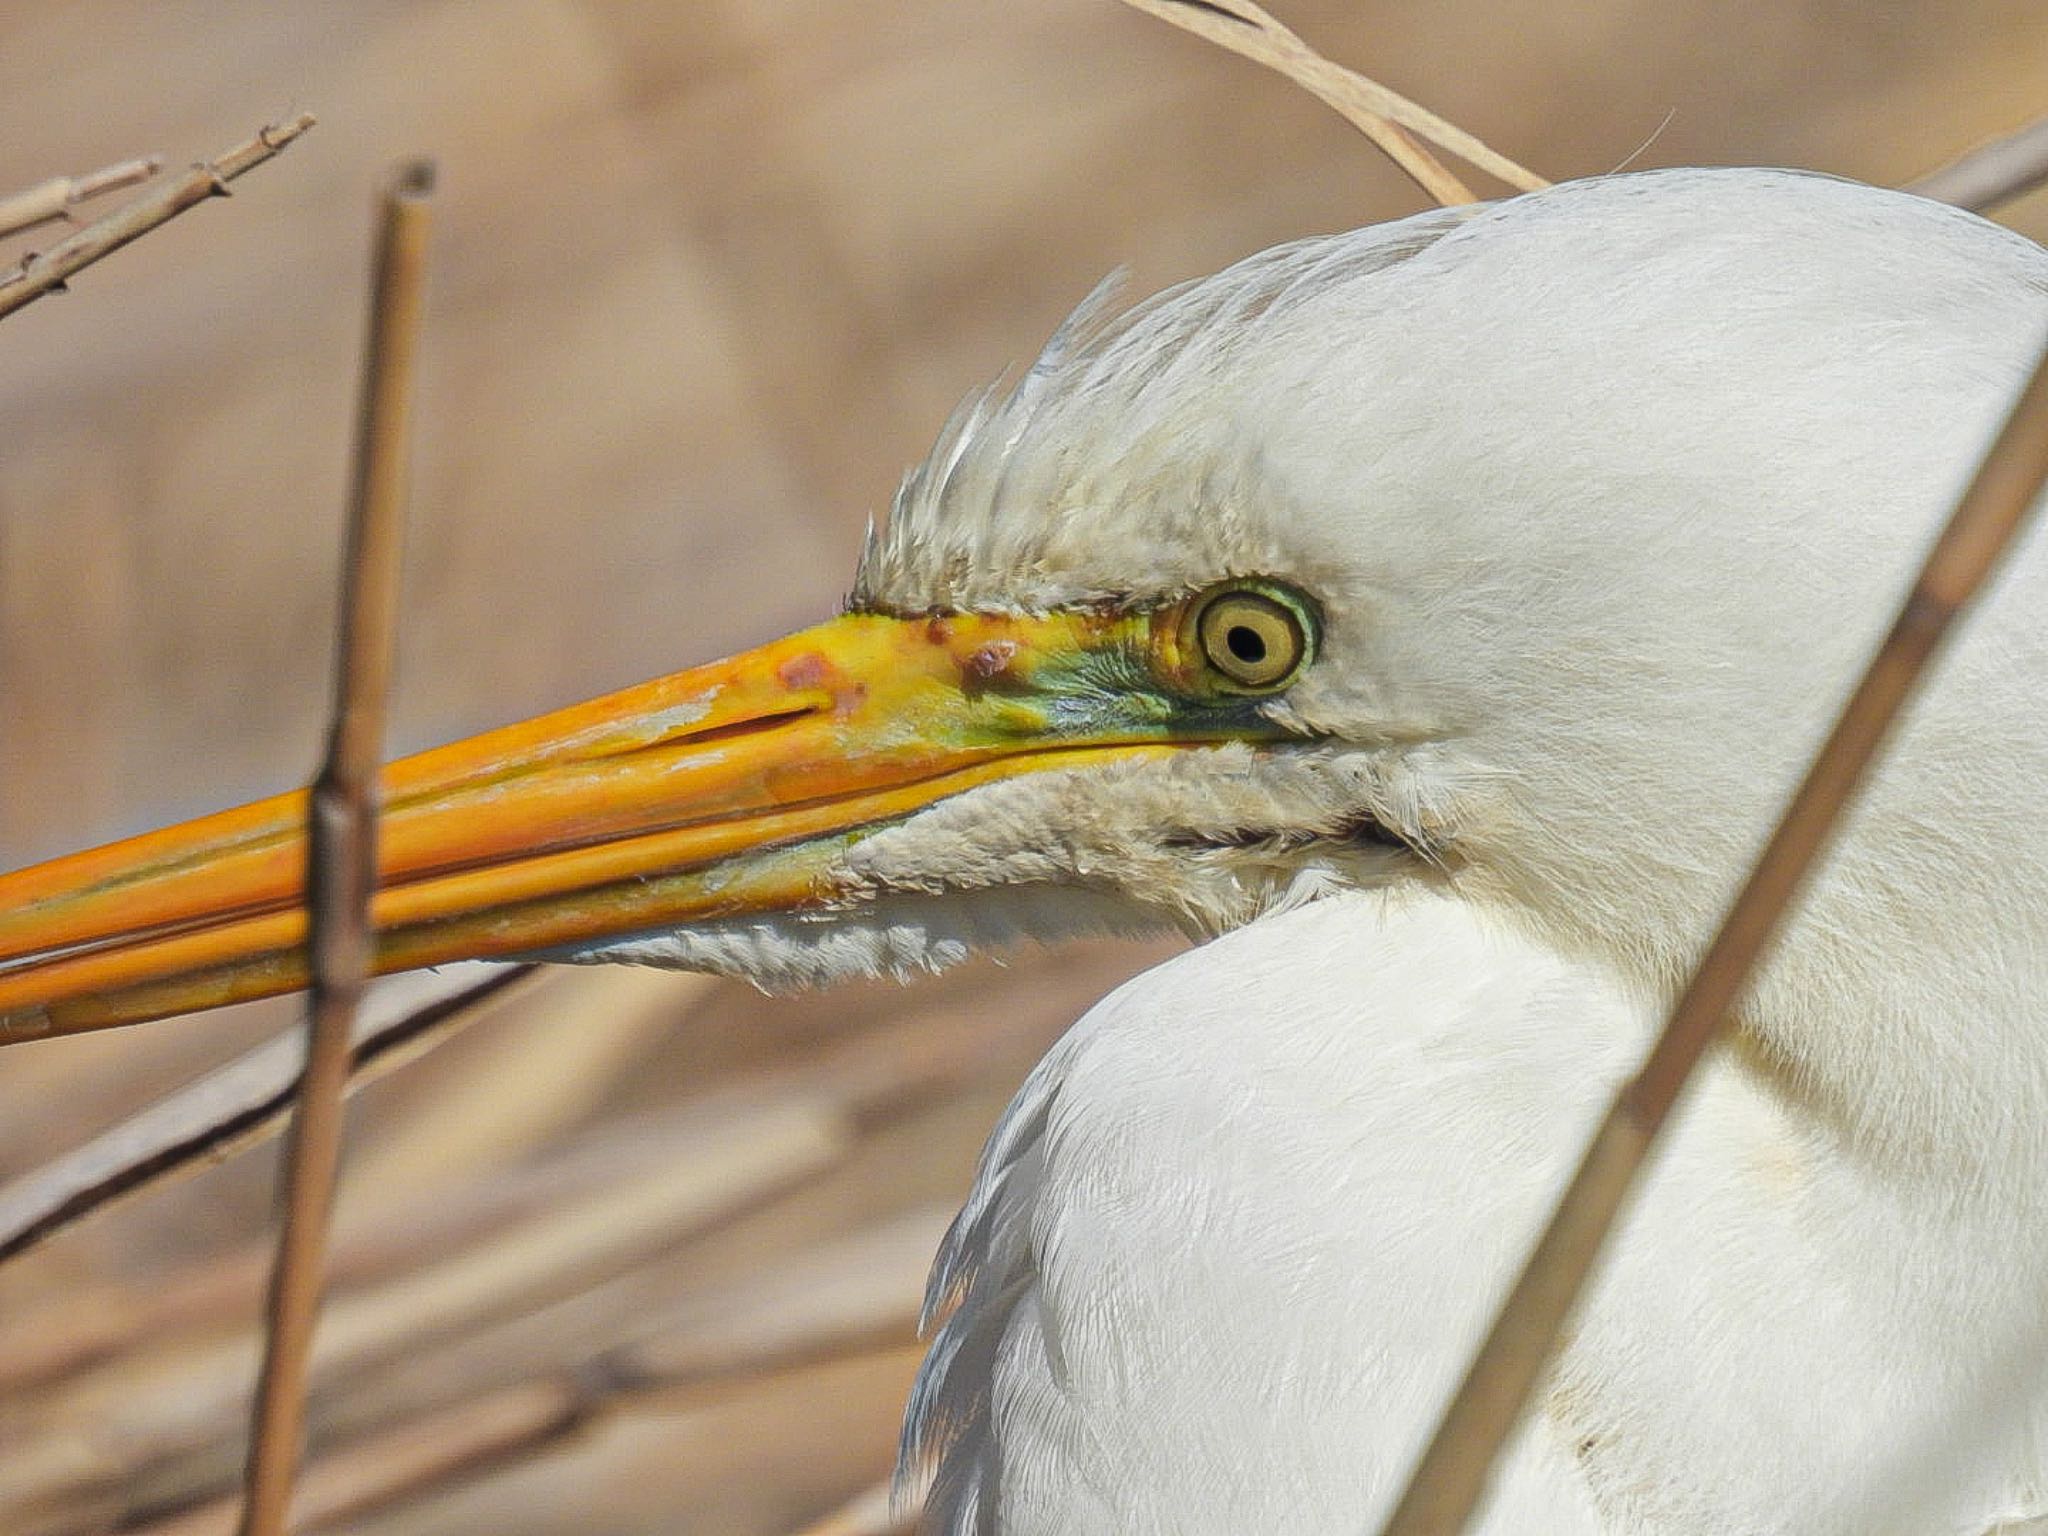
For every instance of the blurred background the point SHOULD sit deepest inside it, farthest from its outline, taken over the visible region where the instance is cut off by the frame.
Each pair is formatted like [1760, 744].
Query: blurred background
[639, 1252]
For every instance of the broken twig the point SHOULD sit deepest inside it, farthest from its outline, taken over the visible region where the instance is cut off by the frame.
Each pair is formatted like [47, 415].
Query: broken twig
[55, 198]
[48, 271]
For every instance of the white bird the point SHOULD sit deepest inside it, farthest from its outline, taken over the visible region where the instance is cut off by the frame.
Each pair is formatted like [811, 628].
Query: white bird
[1447, 606]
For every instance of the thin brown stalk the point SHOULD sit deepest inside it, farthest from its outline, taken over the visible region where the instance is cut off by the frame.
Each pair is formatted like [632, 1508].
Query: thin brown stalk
[1390, 120]
[238, 1106]
[537, 1072]
[379, 1232]
[157, 1424]
[426, 1456]
[853, 1293]
[342, 857]
[1452, 1475]
[55, 198]
[681, 1253]
[48, 271]
[243, 1104]
[410, 1458]
[1993, 173]
[872, 1512]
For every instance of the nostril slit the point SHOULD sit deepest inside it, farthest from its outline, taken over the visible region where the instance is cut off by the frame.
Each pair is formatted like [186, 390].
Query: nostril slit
[755, 726]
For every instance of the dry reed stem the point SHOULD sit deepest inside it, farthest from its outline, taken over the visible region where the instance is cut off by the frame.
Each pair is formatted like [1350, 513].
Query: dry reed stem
[424, 1455]
[374, 1241]
[669, 1304]
[1452, 1474]
[159, 1428]
[1389, 119]
[55, 198]
[872, 1512]
[534, 1074]
[386, 1468]
[243, 1104]
[858, 1292]
[342, 854]
[49, 271]
[689, 1310]
[716, 1337]
[240, 1105]
[703, 1169]
[1993, 173]
[511, 1290]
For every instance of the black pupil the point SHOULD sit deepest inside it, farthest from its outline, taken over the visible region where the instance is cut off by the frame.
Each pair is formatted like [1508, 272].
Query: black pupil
[1246, 643]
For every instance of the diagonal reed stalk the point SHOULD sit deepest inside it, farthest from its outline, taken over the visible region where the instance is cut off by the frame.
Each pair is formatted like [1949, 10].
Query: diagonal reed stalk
[48, 271]
[343, 855]
[2007, 167]
[1452, 1475]
[238, 1106]
[1393, 122]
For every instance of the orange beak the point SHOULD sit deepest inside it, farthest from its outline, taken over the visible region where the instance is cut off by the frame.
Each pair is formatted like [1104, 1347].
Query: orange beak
[711, 793]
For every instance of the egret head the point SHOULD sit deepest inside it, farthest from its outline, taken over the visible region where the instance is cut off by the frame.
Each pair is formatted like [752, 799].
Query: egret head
[1594, 498]
[1518, 548]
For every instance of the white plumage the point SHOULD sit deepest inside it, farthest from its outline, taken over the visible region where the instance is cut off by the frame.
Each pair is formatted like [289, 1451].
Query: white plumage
[1605, 492]
[1222, 1255]
[1231, 1246]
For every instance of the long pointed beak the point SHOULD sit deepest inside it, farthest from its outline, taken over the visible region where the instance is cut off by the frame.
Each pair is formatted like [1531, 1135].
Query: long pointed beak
[722, 790]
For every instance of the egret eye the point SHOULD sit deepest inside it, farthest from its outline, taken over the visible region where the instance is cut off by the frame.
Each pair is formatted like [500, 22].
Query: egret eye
[1252, 639]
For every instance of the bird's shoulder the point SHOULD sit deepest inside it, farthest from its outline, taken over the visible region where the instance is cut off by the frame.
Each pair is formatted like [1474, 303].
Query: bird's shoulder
[1147, 1293]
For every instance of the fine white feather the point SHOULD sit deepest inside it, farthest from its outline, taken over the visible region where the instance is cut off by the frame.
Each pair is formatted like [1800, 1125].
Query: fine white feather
[1230, 1246]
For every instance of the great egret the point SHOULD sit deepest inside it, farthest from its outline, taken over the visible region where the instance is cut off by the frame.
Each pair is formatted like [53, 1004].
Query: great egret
[1508, 558]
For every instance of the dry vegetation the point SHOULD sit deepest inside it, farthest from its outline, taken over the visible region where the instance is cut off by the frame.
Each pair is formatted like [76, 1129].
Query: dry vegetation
[625, 1248]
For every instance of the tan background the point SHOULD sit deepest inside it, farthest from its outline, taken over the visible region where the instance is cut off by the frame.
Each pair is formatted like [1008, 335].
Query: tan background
[708, 274]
